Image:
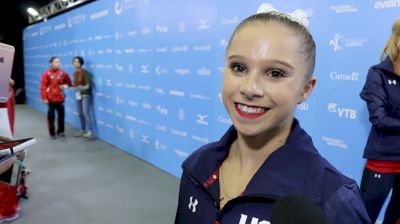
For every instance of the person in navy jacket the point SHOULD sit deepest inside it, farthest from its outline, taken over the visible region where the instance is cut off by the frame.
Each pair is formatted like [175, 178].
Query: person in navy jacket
[265, 155]
[382, 169]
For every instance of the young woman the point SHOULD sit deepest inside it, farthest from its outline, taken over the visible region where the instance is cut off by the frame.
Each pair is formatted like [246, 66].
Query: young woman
[265, 155]
[382, 170]
[82, 85]
[53, 82]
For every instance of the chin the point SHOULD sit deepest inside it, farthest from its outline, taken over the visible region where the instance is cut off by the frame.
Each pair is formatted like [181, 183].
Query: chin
[248, 130]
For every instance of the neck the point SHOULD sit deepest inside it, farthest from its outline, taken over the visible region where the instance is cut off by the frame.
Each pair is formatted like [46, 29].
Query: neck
[251, 152]
[54, 69]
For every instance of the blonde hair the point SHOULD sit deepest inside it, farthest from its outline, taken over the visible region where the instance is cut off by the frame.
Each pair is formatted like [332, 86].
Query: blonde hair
[391, 49]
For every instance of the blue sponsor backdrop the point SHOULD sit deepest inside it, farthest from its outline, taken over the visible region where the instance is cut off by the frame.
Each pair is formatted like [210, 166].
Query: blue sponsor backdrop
[157, 71]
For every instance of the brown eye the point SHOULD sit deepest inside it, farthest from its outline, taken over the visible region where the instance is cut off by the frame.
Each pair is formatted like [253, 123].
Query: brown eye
[238, 68]
[276, 74]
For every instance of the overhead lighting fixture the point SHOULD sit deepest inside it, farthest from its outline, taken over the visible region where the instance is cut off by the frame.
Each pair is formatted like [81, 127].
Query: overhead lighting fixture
[32, 12]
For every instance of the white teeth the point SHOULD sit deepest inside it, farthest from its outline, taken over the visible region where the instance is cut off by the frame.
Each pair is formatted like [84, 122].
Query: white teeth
[250, 110]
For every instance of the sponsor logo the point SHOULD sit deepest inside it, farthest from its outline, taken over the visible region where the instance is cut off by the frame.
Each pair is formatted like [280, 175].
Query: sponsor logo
[162, 49]
[334, 142]
[204, 24]
[130, 85]
[346, 8]
[145, 69]
[199, 96]
[176, 93]
[181, 153]
[145, 139]
[334, 75]
[243, 220]
[118, 35]
[99, 15]
[131, 33]
[109, 82]
[119, 100]
[133, 103]
[200, 139]
[129, 50]
[192, 204]
[145, 30]
[161, 29]
[392, 82]
[179, 132]
[118, 7]
[202, 48]
[162, 110]
[338, 41]
[303, 106]
[119, 67]
[130, 118]
[146, 105]
[45, 30]
[161, 127]
[119, 129]
[203, 71]
[179, 48]
[202, 119]
[160, 70]
[75, 20]
[159, 90]
[335, 42]
[144, 87]
[342, 112]
[60, 26]
[387, 4]
[233, 20]
[159, 145]
[182, 71]
[224, 120]
[144, 50]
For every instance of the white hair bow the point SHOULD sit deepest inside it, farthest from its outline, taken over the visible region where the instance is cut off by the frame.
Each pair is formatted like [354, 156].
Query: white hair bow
[299, 15]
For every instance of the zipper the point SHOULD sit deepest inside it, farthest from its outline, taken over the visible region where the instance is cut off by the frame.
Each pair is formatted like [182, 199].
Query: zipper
[236, 201]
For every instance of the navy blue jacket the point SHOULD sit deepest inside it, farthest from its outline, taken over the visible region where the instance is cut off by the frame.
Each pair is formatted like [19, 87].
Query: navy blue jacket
[382, 94]
[295, 168]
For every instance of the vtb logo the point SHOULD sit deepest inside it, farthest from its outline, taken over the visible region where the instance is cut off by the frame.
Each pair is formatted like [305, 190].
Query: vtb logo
[342, 112]
[254, 220]
[193, 204]
[392, 82]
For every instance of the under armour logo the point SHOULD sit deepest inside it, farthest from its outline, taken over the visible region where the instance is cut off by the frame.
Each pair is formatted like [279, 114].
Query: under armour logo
[377, 175]
[254, 220]
[392, 82]
[193, 204]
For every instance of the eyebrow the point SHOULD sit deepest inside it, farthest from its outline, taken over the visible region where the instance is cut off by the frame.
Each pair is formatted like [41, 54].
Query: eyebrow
[269, 61]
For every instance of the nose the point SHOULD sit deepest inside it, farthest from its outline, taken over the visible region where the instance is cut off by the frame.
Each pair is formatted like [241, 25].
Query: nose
[250, 88]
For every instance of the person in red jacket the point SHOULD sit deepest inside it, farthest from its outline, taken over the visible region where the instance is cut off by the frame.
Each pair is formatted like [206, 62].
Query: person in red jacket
[54, 81]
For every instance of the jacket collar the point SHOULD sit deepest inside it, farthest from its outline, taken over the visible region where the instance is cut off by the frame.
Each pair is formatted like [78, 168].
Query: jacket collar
[288, 170]
[386, 65]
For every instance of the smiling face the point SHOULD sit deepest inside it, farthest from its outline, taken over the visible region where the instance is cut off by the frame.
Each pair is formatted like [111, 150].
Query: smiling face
[264, 78]
[55, 63]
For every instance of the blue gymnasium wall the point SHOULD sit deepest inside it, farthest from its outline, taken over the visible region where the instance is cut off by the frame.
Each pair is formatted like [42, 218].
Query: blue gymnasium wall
[157, 71]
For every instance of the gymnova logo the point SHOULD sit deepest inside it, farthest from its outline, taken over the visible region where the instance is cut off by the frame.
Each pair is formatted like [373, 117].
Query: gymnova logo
[334, 142]
[387, 4]
[339, 42]
[346, 8]
[334, 75]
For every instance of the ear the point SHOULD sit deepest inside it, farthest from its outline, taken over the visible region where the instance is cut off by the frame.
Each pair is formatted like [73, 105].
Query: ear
[307, 89]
